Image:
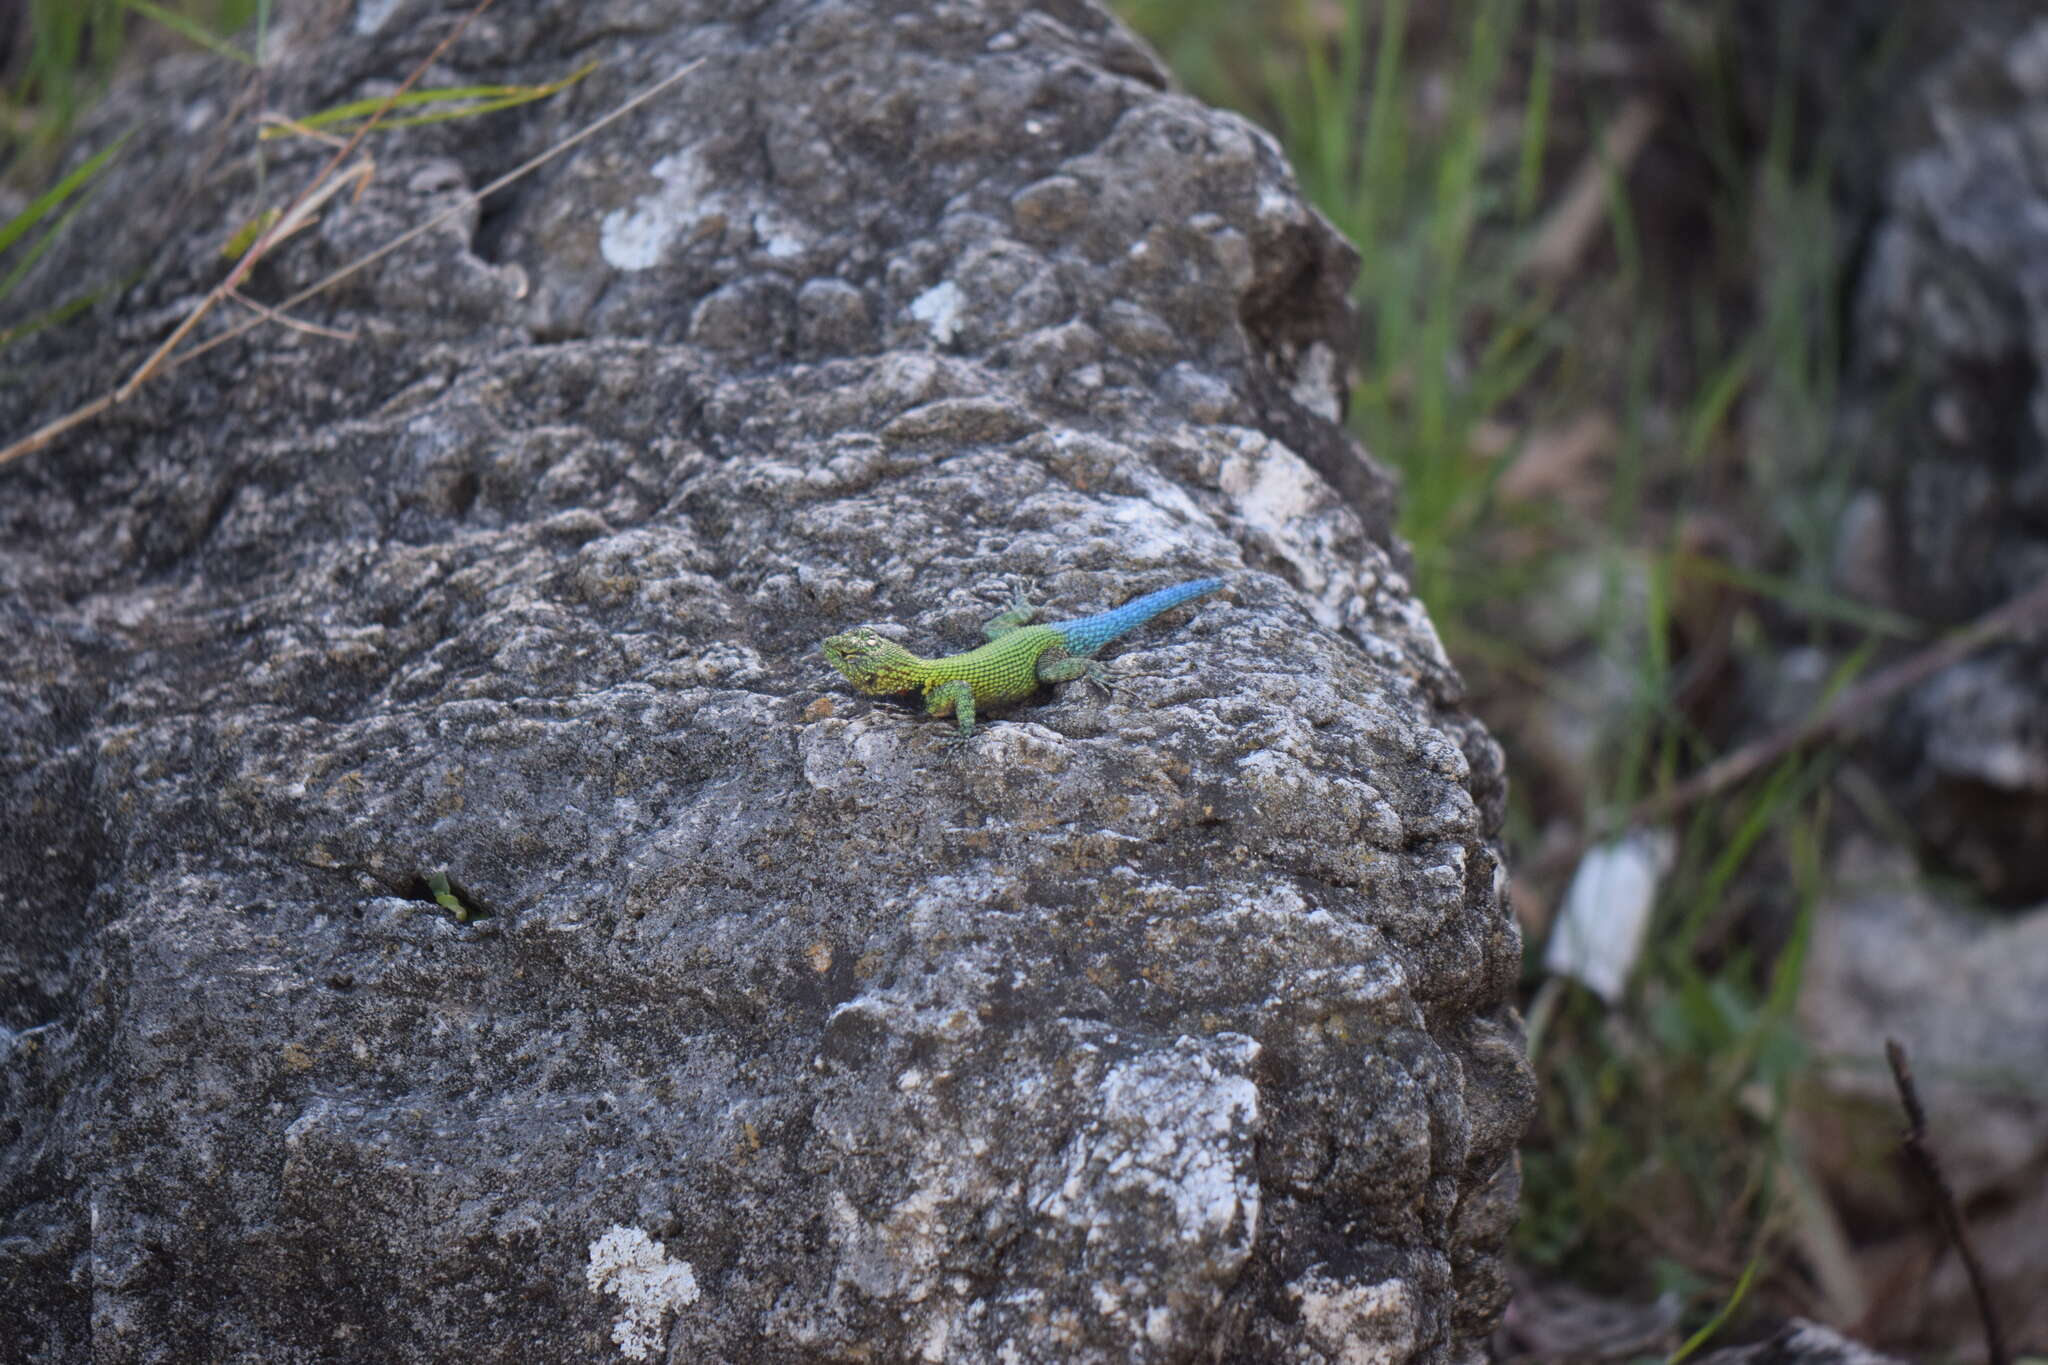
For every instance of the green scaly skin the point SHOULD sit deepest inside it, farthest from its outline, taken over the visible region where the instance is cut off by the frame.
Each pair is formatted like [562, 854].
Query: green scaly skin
[1018, 659]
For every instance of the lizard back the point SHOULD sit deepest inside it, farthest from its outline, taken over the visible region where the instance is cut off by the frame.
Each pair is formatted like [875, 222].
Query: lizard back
[1004, 669]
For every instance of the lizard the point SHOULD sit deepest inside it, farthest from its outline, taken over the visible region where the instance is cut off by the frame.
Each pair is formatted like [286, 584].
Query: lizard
[1017, 659]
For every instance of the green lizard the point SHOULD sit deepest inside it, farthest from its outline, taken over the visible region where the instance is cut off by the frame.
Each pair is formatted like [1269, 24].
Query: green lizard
[1017, 659]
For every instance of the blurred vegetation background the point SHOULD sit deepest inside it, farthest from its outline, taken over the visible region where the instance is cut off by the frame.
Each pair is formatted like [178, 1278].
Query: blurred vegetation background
[56, 54]
[1602, 301]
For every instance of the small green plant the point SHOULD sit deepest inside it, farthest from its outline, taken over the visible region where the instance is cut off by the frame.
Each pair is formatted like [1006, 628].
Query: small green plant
[446, 896]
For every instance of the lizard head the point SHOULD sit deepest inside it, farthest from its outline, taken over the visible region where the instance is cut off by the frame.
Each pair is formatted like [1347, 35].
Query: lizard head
[871, 663]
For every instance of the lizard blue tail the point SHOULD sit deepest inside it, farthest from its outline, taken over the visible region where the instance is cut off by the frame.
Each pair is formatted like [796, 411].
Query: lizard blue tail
[1091, 633]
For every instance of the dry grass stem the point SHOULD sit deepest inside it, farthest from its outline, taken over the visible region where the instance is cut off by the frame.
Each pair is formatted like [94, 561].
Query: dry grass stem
[1922, 1156]
[316, 190]
[2028, 609]
[292, 125]
[270, 314]
[43, 436]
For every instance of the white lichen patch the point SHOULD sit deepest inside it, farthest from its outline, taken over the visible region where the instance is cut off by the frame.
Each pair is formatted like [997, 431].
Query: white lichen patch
[1189, 1120]
[1147, 532]
[626, 1262]
[1276, 492]
[779, 238]
[372, 15]
[938, 308]
[1356, 1324]
[1271, 484]
[1317, 385]
[635, 238]
[1164, 1177]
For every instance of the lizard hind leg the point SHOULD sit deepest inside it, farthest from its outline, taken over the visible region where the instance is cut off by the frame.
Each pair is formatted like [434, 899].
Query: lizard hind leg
[955, 699]
[1058, 666]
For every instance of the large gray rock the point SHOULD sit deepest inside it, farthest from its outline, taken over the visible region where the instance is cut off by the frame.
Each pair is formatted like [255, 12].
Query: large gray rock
[1171, 1026]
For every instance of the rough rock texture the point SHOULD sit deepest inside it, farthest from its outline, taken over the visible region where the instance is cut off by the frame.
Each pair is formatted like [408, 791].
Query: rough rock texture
[1163, 1027]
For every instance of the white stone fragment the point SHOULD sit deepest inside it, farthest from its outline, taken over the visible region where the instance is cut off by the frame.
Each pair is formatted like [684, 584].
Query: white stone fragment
[372, 15]
[635, 238]
[1356, 1324]
[1599, 932]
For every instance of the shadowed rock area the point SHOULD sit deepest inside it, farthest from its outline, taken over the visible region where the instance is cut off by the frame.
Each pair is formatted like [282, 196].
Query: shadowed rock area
[1167, 1026]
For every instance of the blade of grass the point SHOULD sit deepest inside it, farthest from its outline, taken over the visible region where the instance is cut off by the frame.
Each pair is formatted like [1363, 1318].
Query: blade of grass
[46, 202]
[1807, 601]
[1385, 156]
[64, 311]
[186, 29]
[1535, 127]
[50, 431]
[14, 277]
[1720, 1318]
[235, 276]
[245, 237]
[1713, 407]
[475, 99]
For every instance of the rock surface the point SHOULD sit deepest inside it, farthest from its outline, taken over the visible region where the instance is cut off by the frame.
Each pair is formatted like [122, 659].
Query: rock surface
[1170, 1026]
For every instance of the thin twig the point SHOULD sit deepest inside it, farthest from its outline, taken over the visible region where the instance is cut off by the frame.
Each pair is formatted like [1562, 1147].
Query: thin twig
[1922, 1156]
[2029, 608]
[304, 213]
[300, 201]
[286, 320]
[327, 282]
[41, 437]
[292, 125]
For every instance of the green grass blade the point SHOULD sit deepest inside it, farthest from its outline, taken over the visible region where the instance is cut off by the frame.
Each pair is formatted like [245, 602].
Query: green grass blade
[185, 28]
[51, 199]
[1384, 162]
[1535, 126]
[14, 277]
[1806, 600]
[1720, 1318]
[474, 100]
[63, 312]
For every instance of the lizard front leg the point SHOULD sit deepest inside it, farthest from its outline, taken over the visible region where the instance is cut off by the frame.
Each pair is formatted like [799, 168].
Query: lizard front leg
[1019, 613]
[956, 699]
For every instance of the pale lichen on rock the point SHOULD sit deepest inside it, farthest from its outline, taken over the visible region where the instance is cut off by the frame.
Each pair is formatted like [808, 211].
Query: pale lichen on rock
[634, 1268]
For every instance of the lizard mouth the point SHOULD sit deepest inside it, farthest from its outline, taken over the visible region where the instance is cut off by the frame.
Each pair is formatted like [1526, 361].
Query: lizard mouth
[854, 655]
